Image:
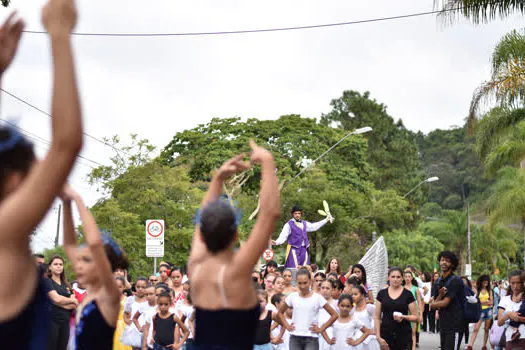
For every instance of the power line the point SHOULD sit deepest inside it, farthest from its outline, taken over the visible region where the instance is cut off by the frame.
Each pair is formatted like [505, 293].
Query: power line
[261, 30]
[50, 116]
[48, 143]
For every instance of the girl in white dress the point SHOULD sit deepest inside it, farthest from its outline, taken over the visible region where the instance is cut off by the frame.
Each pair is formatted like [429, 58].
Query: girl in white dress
[327, 286]
[349, 332]
[364, 312]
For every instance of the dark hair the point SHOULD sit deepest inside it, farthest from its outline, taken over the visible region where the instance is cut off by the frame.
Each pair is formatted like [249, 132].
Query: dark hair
[465, 278]
[162, 286]
[117, 258]
[395, 268]
[281, 269]
[38, 255]
[446, 254]
[479, 283]
[16, 154]
[63, 279]
[304, 272]
[314, 267]
[363, 271]
[176, 268]
[141, 278]
[320, 274]
[338, 266]
[427, 277]
[218, 225]
[277, 298]
[263, 293]
[332, 274]
[43, 270]
[345, 297]
[330, 282]
[353, 281]
[515, 273]
[361, 289]
[164, 265]
[339, 285]
[121, 279]
[272, 263]
[165, 295]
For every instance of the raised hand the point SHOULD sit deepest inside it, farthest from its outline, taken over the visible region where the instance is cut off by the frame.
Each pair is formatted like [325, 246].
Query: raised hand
[68, 193]
[233, 166]
[10, 34]
[258, 153]
[59, 17]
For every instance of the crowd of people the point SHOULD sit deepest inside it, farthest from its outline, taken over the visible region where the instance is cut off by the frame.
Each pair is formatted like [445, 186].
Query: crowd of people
[218, 301]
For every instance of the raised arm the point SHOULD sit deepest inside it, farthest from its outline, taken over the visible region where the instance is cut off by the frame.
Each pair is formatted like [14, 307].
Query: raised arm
[314, 226]
[270, 211]
[70, 239]
[230, 167]
[109, 302]
[26, 207]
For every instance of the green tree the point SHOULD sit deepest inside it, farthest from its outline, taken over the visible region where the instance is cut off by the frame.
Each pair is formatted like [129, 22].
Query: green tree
[480, 10]
[413, 248]
[507, 82]
[392, 151]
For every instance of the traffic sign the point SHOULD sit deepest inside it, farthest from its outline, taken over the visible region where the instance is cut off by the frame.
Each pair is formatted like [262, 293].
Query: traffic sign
[155, 238]
[268, 254]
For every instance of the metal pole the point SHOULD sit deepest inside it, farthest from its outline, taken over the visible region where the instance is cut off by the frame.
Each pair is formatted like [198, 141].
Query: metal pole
[58, 225]
[412, 190]
[468, 235]
[154, 265]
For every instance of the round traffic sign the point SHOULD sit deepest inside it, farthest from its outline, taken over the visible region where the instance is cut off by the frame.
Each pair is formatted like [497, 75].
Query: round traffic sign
[268, 254]
[155, 228]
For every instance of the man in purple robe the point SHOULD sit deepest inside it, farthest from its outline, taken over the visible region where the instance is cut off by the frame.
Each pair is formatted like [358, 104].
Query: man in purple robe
[295, 231]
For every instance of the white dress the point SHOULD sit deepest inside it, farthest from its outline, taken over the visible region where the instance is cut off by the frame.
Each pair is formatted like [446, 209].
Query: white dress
[343, 331]
[366, 317]
[286, 337]
[323, 317]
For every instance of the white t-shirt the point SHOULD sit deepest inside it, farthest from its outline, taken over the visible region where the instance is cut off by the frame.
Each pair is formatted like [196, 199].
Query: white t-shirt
[508, 305]
[426, 297]
[187, 311]
[305, 312]
[133, 306]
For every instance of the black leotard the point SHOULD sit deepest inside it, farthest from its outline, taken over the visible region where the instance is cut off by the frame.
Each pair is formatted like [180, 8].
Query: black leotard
[92, 330]
[29, 329]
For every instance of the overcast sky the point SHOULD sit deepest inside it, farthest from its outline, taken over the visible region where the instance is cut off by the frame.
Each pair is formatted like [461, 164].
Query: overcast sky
[423, 70]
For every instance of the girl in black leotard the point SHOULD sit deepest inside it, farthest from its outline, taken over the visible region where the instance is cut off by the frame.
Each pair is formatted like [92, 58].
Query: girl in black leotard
[28, 188]
[94, 264]
[221, 307]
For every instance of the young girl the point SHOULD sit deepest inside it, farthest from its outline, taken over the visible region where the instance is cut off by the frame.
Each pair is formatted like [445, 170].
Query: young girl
[134, 303]
[319, 277]
[364, 313]
[349, 332]
[419, 306]
[186, 311]
[176, 282]
[147, 334]
[359, 272]
[486, 299]
[121, 325]
[219, 306]
[263, 335]
[164, 324]
[139, 318]
[278, 285]
[304, 330]
[338, 289]
[28, 188]
[94, 264]
[327, 287]
[279, 334]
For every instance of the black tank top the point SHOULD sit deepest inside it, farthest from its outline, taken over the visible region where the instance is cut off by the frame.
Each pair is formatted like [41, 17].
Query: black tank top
[92, 330]
[164, 330]
[262, 333]
[29, 329]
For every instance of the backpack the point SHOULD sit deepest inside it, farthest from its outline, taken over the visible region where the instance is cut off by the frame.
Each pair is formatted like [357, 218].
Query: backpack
[471, 311]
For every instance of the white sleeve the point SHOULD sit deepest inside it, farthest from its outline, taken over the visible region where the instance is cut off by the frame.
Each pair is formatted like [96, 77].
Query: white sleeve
[289, 300]
[419, 282]
[321, 300]
[503, 303]
[284, 234]
[312, 227]
[127, 305]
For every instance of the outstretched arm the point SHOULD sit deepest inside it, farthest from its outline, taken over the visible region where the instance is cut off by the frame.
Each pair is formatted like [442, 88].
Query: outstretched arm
[257, 242]
[283, 236]
[232, 166]
[312, 227]
[25, 208]
[70, 239]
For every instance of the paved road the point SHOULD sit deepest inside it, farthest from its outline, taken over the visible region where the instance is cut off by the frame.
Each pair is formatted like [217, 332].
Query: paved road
[428, 341]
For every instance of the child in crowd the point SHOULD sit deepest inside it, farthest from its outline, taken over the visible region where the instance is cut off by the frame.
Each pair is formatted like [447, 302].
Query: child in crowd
[327, 288]
[139, 319]
[348, 330]
[263, 335]
[164, 324]
[147, 334]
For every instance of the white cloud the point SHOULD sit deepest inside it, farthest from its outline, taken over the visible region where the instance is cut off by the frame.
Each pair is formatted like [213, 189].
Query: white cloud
[422, 70]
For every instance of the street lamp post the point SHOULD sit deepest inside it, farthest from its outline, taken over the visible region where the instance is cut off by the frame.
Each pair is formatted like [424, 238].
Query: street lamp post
[430, 179]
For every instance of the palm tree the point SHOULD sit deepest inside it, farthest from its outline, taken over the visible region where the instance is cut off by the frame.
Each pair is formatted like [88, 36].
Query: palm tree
[481, 10]
[507, 202]
[500, 136]
[507, 83]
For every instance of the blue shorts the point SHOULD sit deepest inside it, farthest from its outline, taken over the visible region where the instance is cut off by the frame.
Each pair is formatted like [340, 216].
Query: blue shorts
[267, 346]
[486, 314]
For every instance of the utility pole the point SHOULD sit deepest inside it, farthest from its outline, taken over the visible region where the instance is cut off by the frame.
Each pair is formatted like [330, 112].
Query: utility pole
[58, 225]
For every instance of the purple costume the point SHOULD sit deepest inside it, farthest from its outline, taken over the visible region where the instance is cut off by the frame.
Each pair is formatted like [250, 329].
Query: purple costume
[298, 244]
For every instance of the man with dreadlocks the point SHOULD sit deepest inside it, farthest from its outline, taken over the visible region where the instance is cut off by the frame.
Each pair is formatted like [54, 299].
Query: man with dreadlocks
[295, 231]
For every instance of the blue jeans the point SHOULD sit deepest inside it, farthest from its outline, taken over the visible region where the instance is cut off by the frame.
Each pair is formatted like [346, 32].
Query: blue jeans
[160, 347]
[304, 343]
[267, 346]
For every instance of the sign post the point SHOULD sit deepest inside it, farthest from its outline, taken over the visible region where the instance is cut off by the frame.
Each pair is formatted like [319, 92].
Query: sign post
[155, 241]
